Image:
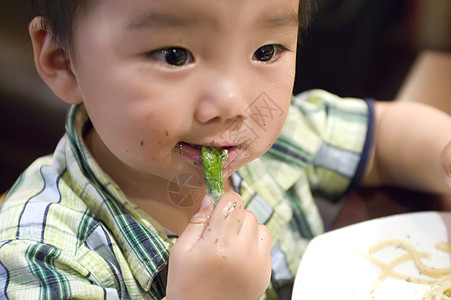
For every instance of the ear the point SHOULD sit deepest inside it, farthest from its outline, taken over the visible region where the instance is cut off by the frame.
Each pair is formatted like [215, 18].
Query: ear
[53, 63]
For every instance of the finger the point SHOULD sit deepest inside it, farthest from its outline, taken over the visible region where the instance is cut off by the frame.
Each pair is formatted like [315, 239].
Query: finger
[264, 238]
[256, 232]
[198, 223]
[250, 225]
[227, 216]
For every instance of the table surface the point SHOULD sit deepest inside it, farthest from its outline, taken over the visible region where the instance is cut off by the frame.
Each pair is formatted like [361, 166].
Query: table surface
[429, 81]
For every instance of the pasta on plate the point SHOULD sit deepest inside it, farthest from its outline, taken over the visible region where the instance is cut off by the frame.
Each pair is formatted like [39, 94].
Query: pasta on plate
[438, 279]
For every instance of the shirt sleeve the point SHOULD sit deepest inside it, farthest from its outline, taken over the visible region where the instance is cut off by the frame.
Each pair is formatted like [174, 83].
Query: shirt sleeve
[32, 270]
[343, 130]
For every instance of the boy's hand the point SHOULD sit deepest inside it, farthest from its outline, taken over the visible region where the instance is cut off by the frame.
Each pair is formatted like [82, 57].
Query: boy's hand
[222, 254]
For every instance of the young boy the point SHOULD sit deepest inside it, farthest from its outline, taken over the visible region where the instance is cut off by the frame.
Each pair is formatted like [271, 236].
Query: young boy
[114, 213]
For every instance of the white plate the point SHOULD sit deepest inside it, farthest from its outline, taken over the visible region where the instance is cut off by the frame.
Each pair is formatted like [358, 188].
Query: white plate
[332, 269]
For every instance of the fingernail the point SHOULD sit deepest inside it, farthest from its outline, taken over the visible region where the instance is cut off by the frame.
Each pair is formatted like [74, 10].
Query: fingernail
[206, 202]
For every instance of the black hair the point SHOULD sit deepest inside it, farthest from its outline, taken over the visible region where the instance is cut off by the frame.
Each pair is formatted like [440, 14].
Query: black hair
[305, 14]
[59, 17]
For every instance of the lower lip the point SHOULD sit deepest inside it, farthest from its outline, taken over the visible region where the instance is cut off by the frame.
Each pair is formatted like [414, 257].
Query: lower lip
[194, 154]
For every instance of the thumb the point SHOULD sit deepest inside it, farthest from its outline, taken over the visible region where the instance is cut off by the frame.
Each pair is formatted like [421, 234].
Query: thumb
[199, 222]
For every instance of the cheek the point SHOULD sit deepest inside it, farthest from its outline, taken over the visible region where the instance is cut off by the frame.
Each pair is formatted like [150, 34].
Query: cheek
[142, 127]
[128, 131]
[266, 118]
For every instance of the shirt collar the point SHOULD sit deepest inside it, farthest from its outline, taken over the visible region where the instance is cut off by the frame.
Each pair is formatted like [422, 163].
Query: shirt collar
[142, 240]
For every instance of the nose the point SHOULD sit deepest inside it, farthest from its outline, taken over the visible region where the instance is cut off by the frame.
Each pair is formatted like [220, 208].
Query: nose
[224, 96]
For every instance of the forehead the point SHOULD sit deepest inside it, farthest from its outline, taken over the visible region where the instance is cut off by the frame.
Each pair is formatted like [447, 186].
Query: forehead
[152, 13]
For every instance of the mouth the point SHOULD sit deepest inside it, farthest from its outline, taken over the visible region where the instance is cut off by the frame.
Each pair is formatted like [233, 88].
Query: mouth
[192, 152]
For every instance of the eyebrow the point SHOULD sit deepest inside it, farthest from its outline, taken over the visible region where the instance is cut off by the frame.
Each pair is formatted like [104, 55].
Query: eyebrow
[158, 20]
[288, 19]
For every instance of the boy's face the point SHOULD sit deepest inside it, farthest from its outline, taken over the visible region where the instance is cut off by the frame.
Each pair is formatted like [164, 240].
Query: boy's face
[159, 77]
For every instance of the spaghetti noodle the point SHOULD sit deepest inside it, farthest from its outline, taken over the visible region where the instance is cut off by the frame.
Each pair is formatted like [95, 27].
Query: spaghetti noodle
[438, 279]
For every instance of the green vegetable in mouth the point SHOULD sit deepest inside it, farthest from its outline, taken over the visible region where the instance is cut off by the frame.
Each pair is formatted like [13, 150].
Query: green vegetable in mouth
[213, 160]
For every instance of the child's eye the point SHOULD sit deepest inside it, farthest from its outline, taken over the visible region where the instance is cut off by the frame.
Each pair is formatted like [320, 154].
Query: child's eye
[268, 53]
[176, 57]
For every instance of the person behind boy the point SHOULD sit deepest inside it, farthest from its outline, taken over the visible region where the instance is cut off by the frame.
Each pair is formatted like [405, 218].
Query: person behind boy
[150, 82]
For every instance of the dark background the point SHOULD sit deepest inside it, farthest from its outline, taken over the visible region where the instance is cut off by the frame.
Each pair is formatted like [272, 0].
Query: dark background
[356, 48]
[359, 48]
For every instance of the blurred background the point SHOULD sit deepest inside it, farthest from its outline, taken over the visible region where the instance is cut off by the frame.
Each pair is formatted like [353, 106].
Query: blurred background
[359, 48]
[31, 117]
[364, 48]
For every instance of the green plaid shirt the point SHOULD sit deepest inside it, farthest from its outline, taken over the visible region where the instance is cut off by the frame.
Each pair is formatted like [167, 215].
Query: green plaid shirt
[68, 231]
